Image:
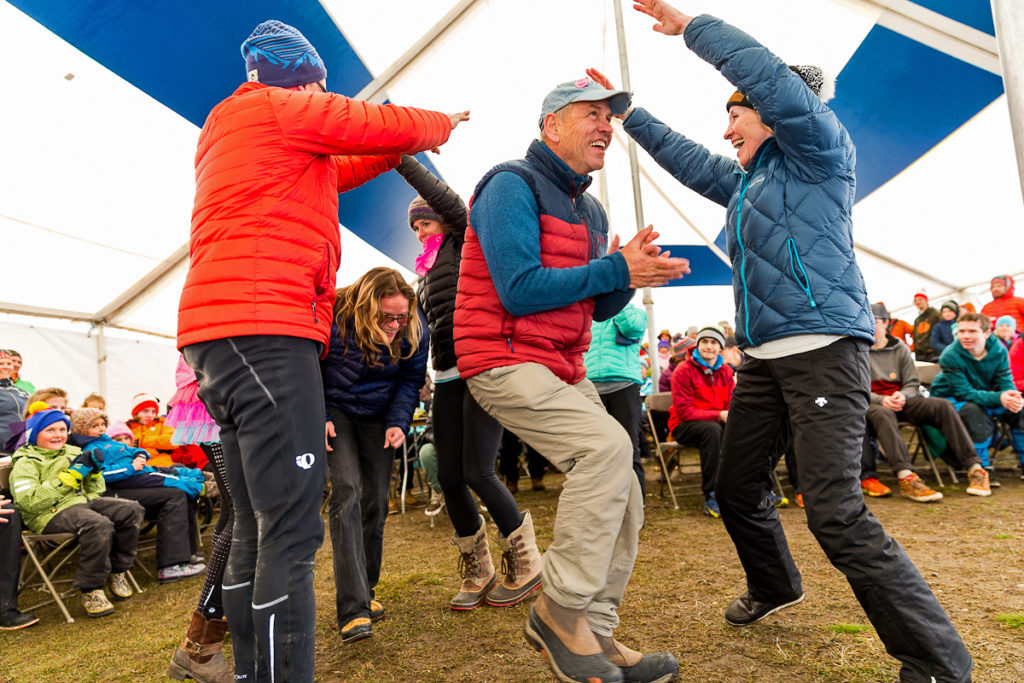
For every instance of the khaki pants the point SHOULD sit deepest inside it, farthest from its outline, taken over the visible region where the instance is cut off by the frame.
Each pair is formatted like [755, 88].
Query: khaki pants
[600, 510]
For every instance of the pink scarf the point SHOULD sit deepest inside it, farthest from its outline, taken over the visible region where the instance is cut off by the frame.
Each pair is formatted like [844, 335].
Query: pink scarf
[425, 261]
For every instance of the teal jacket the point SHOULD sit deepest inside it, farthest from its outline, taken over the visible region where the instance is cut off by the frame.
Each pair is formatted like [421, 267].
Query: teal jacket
[965, 378]
[38, 493]
[609, 361]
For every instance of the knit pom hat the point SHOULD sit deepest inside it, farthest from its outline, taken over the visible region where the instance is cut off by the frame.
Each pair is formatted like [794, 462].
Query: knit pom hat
[4, 353]
[679, 348]
[821, 84]
[84, 418]
[119, 429]
[420, 210]
[712, 332]
[36, 406]
[143, 401]
[42, 420]
[278, 54]
[1007, 320]
[920, 292]
[953, 306]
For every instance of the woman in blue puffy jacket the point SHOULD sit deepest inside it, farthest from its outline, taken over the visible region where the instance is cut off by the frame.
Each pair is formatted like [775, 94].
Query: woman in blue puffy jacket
[372, 374]
[804, 322]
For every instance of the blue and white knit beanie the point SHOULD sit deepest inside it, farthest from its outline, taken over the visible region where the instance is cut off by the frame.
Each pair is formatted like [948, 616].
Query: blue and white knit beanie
[40, 421]
[278, 54]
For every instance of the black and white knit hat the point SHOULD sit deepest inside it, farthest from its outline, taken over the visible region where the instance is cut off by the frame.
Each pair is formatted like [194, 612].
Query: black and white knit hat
[821, 84]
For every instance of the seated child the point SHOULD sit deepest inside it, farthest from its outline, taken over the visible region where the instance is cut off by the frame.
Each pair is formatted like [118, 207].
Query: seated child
[168, 494]
[57, 488]
[41, 399]
[152, 434]
[94, 400]
[119, 432]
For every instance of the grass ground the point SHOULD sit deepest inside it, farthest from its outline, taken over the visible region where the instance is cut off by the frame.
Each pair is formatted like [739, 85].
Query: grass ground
[968, 549]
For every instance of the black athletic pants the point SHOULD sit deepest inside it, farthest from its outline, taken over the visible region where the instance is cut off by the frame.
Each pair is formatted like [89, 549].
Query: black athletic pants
[706, 436]
[823, 395]
[10, 558]
[467, 439]
[624, 406]
[266, 395]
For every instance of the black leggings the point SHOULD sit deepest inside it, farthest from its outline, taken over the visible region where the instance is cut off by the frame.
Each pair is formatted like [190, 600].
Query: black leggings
[209, 599]
[467, 440]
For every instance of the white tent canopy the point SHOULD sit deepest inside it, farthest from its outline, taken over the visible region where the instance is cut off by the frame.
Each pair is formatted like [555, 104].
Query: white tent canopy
[98, 175]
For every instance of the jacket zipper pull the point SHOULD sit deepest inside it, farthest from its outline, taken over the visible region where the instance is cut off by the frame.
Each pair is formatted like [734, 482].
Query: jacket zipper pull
[510, 349]
[314, 312]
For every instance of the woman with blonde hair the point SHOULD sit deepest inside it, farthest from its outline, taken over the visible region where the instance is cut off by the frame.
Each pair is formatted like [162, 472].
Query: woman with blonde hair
[372, 374]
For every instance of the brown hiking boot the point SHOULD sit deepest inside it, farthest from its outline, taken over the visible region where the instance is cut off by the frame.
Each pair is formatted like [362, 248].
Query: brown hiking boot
[475, 568]
[914, 488]
[520, 566]
[199, 656]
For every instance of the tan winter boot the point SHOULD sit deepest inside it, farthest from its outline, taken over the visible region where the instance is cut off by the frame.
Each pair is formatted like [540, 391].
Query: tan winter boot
[520, 565]
[199, 656]
[476, 569]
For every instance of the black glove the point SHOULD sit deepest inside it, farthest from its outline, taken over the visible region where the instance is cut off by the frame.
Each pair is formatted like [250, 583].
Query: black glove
[92, 459]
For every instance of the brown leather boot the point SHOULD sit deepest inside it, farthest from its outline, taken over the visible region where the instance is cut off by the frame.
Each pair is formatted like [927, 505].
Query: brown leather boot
[475, 568]
[520, 566]
[199, 656]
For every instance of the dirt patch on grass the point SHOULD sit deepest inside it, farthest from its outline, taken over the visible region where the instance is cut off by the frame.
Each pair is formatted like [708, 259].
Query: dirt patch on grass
[970, 550]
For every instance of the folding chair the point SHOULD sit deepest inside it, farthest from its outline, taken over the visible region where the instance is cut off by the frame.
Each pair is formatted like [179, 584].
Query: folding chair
[917, 445]
[662, 402]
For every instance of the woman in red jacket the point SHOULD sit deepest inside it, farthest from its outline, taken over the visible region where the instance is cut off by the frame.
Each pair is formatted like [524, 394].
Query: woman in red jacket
[255, 315]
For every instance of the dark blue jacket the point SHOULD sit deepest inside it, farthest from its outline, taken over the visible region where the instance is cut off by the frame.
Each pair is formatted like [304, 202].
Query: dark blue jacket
[388, 392]
[788, 220]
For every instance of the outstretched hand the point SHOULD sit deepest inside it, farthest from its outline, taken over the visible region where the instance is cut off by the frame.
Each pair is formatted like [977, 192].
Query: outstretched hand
[671, 21]
[648, 267]
[454, 119]
[605, 83]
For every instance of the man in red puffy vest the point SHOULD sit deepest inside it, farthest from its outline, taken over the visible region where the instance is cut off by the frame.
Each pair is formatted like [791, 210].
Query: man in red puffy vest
[536, 271]
[255, 315]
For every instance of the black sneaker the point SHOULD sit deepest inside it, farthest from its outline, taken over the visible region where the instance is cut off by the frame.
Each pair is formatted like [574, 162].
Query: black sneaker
[745, 611]
[658, 667]
[566, 665]
[12, 620]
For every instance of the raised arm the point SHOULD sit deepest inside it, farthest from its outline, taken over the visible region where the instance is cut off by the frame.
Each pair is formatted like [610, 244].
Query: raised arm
[353, 170]
[445, 201]
[328, 123]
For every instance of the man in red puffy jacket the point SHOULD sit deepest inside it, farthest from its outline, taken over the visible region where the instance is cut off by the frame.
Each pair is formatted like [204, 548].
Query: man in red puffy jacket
[255, 315]
[1003, 301]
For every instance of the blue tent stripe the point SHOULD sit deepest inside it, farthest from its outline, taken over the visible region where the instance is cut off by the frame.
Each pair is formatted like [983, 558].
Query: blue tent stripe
[974, 13]
[899, 98]
[705, 267]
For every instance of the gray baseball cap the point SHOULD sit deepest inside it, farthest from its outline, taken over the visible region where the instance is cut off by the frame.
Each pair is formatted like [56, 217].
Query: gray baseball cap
[583, 90]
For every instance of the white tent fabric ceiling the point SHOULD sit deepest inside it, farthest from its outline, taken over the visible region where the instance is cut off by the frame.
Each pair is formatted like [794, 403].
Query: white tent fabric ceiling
[97, 174]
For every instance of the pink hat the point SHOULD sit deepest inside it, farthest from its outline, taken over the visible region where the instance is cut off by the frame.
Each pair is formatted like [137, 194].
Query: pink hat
[119, 429]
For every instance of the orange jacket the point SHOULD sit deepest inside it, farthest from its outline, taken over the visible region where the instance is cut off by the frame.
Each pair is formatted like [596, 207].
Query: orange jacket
[155, 437]
[265, 245]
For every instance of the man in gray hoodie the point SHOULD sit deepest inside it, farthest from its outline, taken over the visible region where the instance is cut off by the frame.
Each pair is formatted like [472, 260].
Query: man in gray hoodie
[895, 397]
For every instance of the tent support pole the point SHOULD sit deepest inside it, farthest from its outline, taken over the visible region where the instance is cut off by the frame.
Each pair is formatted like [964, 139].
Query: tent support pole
[638, 207]
[1009, 23]
[101, 358]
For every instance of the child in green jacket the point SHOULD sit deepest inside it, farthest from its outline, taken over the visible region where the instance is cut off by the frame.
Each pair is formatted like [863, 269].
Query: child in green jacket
[57, 488]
